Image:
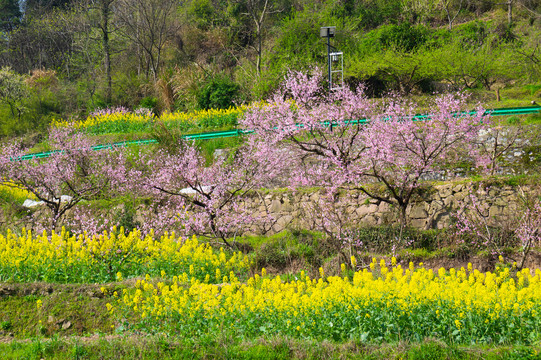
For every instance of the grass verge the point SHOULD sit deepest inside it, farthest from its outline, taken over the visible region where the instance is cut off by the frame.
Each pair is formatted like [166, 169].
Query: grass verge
[163, 347]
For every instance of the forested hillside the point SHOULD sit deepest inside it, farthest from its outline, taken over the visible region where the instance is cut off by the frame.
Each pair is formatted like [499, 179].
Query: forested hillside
[64, 58]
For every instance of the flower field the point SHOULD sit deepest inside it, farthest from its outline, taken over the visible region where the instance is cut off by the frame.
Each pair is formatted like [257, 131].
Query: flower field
[186, 287]
[368, 184]
[121, 120]
[384, 304]
[15, 193]
[65, 258]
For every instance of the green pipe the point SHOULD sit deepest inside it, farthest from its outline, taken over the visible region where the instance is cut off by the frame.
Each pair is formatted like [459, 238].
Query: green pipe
[237, 132]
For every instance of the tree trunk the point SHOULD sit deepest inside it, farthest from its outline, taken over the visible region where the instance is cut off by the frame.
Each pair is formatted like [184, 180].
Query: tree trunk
[106, 47]
[510, 12]
[259, 49]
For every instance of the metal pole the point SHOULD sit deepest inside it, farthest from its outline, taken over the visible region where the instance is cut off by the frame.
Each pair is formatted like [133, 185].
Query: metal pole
[329, 61]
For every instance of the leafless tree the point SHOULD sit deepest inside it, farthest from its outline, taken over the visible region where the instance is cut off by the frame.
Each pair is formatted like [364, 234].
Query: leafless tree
[149, 24]
[104, 8]
[532, 6]
[452, 8]
[258, 10]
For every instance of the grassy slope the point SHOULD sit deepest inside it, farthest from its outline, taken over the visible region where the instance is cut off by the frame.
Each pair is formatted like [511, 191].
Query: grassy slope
[168, 347]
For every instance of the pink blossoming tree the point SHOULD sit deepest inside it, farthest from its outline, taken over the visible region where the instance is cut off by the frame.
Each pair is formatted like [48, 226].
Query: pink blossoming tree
[208, 199]
[73, 173]
[479, 229]
[342, 139]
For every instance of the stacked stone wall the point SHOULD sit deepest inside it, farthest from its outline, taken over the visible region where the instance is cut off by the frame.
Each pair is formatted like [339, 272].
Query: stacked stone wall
[434, 209]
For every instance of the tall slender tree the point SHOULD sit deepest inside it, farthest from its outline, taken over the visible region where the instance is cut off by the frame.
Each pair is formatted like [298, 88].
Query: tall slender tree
[104, 9]
[149, 24]
[258, 11]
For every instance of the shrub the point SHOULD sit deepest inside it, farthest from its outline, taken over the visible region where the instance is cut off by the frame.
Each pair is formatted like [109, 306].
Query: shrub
[150, 103]
[219, 92]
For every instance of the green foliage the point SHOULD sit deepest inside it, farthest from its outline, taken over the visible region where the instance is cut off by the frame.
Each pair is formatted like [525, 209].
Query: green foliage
[149, 102]
[472, 34]
[533, 88]
[208, 147]
[394, 70]
[404, 36]
[128, 90]
[469, 68]
[281, 253]
[282, 250]
[224, 346]
[10, 15]
[202, 12]
[391, 45]
[513, 120]
[218, 93]
[83, 306]
[383, 239]
[433, 351]
[125, 218]
[12, 90]
[6, 325]
[374, 13]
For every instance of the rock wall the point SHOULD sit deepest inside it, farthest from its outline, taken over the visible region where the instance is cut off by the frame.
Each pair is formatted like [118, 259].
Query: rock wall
[432, 210]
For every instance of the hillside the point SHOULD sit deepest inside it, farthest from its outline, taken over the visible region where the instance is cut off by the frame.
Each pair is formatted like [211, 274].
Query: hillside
[69, 58]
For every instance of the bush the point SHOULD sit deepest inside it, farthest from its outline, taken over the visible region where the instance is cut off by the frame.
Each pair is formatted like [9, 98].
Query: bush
[473, 34]
[403, 37]
[375, 15]
[219, 93]
[150, 103]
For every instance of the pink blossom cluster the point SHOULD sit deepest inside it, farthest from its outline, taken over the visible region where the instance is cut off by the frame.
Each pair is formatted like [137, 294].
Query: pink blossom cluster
[73, 173]
[304, 136]
[479, 230]
[110, 111]
[343, 139]
[208, 199]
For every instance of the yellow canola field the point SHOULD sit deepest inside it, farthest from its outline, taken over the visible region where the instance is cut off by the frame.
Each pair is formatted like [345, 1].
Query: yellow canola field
[119, 116]
[78, 258]
[10, 190]
[458, 294]
[199, 114]
[144, 118]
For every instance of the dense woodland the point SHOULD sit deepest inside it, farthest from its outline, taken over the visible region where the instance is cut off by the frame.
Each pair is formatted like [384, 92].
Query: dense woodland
[64, 58]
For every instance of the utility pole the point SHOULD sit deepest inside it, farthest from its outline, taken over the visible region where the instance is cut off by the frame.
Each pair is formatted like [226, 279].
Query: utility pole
[336, 57]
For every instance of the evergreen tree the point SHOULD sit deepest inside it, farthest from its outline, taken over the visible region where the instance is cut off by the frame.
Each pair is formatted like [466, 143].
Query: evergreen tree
[10, 15]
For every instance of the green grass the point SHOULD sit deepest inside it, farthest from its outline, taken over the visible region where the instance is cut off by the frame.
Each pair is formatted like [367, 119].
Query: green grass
[66, 310]
[197, 124]
[533, 88]
[290, 251]
[162, 347]
[209, 147]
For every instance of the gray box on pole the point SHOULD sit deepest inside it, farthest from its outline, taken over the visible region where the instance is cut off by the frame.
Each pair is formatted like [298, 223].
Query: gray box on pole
[327, 31]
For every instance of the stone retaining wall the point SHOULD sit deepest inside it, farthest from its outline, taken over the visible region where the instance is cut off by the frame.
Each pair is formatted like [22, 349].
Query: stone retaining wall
[431, 211]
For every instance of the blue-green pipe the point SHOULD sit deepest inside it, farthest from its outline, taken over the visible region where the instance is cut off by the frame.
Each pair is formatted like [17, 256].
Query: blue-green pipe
[237, 132]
